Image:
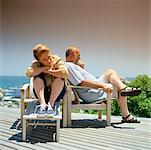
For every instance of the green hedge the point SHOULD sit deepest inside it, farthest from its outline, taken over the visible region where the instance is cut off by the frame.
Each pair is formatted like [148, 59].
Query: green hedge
[138, 105]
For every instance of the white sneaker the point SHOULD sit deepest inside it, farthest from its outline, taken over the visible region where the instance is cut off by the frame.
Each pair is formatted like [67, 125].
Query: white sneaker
[50, 112]
[40, 111]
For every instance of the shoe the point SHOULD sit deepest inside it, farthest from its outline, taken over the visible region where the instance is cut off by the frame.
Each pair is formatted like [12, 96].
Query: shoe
[50, 112]
[131, 120]
[40, 111]
[129, 91]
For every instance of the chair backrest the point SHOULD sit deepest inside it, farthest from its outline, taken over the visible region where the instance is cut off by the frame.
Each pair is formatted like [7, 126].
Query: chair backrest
[73, 94]
[76, 97]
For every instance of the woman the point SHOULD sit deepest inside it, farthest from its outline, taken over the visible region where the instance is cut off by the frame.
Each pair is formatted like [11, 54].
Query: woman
[49, 72]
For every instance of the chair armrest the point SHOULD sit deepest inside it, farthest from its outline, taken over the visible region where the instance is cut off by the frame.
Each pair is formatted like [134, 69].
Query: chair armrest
[78, 87]
[83, 87]
[24, 94]
[25, 91]
[24, 87]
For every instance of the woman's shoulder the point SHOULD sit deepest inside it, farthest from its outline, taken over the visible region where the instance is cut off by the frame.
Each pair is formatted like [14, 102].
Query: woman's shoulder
[56, 57]
[56, 60]
[35, 63]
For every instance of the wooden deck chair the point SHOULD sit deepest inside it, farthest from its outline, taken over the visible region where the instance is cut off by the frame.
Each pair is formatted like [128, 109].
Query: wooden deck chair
[28, 104]
[99, 105]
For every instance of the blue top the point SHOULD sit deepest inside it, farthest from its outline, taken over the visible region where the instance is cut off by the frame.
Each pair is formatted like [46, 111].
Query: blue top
[77, 75]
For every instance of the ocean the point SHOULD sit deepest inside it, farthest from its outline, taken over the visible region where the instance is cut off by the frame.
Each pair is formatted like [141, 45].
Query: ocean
[12, 84]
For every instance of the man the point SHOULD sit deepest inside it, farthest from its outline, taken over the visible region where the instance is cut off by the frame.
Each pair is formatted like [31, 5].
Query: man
[49, 72]
[107, 82]
[73, 55]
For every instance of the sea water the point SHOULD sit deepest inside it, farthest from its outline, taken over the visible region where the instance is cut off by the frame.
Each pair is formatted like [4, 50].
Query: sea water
[12, 84]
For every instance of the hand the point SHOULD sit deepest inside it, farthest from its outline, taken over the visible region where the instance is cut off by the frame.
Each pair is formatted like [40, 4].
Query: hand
[48, 71]
[45, 68]
[107, 88]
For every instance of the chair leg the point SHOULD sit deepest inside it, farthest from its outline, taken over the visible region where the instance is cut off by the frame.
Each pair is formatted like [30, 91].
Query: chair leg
[108, 108]
[64, 111]
[57, 130]
[22, 112]
[99, 114]
[69, 103]
[24, 130]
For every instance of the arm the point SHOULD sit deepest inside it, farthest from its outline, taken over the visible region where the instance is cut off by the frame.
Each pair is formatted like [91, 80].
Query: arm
[76, 78]
[34, 71]
[95, 85]
[60, 73]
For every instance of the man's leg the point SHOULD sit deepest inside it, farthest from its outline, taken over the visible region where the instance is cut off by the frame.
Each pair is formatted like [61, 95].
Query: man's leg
[122, 102]
[110, 76]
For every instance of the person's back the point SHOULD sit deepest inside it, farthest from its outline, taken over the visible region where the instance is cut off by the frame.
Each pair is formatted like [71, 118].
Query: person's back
[77, 75]
[80, 71]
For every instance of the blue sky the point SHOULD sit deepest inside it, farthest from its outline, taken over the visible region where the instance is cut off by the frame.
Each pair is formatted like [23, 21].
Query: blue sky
[97, 61]
[110, 34]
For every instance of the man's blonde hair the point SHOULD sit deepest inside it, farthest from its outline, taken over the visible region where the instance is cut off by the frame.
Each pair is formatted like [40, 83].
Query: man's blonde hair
[38, 49]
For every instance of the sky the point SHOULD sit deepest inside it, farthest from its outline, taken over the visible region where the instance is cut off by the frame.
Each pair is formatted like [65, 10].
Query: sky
[110, 34]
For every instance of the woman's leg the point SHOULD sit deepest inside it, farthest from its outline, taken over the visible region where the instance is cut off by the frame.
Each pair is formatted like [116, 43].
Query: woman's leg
[39, 87]
[56, 88]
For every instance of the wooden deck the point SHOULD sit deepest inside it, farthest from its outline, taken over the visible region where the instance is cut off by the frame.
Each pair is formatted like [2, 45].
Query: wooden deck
[85, 134]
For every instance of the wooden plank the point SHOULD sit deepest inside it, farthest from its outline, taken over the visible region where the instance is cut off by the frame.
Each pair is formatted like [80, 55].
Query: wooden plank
[29, 100]
[122, 136]
[13, 145]
[6, 147]
[89, 106]
[122, 140]
[24, 145]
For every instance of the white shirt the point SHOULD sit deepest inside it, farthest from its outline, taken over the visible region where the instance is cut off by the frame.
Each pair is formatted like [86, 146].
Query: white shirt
[77, 75]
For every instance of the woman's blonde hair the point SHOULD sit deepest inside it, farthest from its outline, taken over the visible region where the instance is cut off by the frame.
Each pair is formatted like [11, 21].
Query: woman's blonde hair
[38, 49]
